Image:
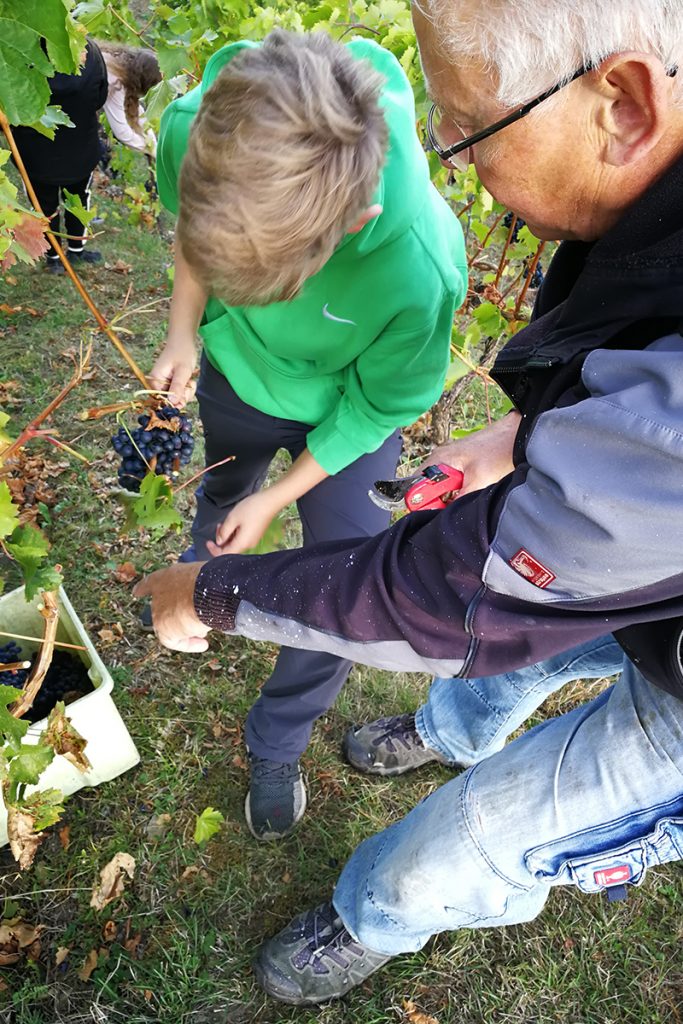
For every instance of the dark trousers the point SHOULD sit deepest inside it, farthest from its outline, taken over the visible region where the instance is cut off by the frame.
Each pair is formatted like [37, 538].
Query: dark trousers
[49, 197]
[304, 684]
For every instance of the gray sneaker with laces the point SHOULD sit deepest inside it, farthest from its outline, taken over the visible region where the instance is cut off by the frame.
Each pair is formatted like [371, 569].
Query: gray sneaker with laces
[314, 959]
[276, 800]
[388, 746]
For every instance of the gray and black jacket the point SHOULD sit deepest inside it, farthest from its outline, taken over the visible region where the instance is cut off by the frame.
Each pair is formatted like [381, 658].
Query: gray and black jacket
[582, 539]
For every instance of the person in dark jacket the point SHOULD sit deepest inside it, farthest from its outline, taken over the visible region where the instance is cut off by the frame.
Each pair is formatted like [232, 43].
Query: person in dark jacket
[565, 538]
[68, 160]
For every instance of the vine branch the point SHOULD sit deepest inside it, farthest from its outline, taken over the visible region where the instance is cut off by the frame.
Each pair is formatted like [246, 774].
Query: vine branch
[50, 612]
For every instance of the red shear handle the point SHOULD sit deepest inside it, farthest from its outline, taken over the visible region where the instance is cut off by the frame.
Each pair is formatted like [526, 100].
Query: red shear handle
[436, 488]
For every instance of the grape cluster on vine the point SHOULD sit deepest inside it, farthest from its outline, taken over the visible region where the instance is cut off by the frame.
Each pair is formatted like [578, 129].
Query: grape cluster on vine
[161, 443]
[66, 679]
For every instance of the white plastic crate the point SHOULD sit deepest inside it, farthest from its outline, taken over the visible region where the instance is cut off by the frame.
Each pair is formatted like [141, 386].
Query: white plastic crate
[110, 749]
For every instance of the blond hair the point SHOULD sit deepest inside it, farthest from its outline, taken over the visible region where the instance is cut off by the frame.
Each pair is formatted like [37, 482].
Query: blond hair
[284, 155]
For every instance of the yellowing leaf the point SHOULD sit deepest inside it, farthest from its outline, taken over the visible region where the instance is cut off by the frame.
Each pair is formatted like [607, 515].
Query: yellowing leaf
[208, 823]
[64, 739]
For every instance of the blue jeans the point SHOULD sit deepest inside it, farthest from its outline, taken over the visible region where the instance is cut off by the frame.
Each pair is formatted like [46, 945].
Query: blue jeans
[591, 799]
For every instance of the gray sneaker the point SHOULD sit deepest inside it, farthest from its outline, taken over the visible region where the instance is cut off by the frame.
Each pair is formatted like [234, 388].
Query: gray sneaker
[276, 800]
[314, 959]
[388, 746]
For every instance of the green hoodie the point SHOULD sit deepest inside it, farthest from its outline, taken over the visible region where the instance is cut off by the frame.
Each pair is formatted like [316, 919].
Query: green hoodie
[364, 348]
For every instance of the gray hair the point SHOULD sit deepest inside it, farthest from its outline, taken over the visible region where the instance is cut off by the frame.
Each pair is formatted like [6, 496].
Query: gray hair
[532, 44]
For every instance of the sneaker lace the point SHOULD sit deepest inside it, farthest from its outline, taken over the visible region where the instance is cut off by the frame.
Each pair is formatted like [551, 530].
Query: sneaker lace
[326, 936]
[400, 728]
[273, 771]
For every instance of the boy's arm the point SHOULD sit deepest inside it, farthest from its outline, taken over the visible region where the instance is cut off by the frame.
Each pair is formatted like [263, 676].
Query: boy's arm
[172, 372]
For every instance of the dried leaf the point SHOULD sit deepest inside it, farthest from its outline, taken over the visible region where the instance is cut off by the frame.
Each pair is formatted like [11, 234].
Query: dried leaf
[17, 939]
[109, 931]
[64, 836]
[89, 965]
[106, 636]
[414, 1015]
[157, 826]
[61, 954]
[23, 841]
[131, 945]
[65, 740]
[125, 573]
[214, 665]
[112, 880]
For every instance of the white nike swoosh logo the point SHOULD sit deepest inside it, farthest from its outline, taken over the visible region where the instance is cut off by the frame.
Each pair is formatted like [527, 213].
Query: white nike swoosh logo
[337, 319]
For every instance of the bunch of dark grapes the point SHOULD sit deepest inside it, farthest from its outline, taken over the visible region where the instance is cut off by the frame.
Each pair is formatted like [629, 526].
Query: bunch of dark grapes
[164, 439]
[519, 224]
[66, 679]
[10, 654]
[537, 276]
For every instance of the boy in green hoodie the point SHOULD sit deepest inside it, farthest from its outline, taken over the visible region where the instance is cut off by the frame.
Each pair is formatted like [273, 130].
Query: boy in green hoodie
[321, 270]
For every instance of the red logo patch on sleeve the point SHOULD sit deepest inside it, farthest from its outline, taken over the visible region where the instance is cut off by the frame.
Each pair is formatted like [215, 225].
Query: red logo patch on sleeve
[612, 876]
[531, 569]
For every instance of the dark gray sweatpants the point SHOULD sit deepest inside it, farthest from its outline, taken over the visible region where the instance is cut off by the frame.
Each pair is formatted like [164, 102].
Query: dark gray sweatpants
[304, 684]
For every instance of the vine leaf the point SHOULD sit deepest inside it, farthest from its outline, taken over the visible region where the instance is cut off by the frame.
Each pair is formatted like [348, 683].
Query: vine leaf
[12, 730]
[74, 204]
[9, 513]
[46, 807]
[29, 234]
[29, 546]
[23, 840]
[153, 508]
[64, 739]
[28, 764]
[207, 824]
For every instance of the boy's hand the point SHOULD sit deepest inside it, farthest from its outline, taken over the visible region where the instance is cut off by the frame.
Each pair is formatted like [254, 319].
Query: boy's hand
[173, 371]
[176, 623]
[244, 526]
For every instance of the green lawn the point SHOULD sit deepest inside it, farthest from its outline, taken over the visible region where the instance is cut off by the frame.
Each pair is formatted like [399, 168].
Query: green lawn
[190, 934]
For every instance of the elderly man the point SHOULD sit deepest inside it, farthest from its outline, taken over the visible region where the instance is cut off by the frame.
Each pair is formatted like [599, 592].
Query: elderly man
[571, 525]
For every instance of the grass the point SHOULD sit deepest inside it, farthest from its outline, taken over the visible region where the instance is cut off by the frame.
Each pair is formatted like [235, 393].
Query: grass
[193, 917]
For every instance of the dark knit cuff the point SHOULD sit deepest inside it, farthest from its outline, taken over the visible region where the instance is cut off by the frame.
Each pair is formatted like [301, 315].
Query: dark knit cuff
[214, 601]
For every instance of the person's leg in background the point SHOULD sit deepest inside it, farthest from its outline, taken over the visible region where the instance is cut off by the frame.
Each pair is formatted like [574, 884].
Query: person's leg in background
[77, 233]
[466, 720]
[304, 684]
[590, 799]
[48, 198]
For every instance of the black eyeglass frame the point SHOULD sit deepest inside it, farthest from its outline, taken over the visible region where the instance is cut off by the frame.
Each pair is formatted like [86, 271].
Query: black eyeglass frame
[497, 126]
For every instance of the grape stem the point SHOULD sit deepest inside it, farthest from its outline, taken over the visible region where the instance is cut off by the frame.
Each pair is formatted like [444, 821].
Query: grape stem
[40, 640]
[50, 612]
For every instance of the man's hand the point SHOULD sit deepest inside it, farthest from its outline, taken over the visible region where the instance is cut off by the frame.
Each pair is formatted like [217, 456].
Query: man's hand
[176, 623]
[173, 370]
[483, 457]
[244, 526]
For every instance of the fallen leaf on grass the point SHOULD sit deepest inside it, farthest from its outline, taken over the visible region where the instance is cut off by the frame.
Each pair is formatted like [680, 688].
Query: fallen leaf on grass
[106, 636]
[61, 955]
[415, 1015]
[131, 945]
[3, 986]
[125, 573]
[112, 880]
[214, 665]
[64, 836]
[89, 965]
[191, 871]
[17, 939]
[157, 825]
[109, 931]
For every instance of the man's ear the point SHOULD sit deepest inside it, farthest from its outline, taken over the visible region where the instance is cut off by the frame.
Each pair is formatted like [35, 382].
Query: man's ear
[365, 218]
[636, 96]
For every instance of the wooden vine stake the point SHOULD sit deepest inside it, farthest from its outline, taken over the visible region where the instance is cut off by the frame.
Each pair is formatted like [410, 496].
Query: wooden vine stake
[82, 291]
[50, 613]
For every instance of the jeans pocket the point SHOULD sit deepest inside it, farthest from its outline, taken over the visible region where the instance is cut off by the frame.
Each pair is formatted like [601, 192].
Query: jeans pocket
[617, 853]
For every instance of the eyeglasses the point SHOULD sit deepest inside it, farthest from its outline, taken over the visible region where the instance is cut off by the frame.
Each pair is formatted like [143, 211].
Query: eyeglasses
[456, 155]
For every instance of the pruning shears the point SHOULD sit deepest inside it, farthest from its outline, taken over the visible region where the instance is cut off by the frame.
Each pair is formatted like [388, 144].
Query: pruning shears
[433, 488]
